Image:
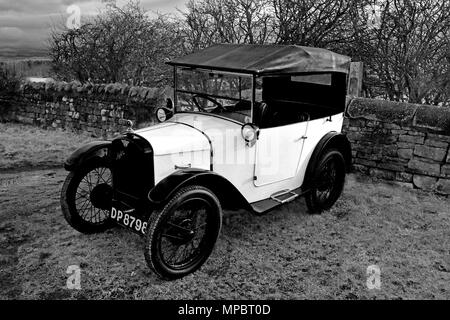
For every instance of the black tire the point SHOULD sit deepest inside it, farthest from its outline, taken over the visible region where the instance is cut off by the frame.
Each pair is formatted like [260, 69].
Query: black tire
[173, 227]
[328, 181]
[78, 198]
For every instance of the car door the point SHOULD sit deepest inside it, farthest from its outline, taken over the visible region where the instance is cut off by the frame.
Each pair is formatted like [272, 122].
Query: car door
[278, 152]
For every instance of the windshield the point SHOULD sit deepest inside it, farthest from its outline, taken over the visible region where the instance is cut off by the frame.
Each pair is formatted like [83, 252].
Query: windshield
[224, 94]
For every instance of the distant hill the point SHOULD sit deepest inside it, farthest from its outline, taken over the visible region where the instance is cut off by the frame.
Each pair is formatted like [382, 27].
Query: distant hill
[8, 54]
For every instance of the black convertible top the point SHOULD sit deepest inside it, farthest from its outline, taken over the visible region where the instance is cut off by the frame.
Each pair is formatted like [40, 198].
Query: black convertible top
[265, 59]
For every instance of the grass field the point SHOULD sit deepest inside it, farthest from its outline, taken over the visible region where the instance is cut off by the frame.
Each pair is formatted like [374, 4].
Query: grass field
[27, 67]
[24, 146]
[285, 254]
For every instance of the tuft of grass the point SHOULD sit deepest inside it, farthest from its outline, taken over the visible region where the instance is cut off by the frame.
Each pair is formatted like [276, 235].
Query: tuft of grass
[25, 146]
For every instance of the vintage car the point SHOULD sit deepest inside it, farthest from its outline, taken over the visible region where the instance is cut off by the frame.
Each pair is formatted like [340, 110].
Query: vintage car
[248, 127]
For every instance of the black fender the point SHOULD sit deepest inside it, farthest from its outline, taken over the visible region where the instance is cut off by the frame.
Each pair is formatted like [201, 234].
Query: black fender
[87, 151]
[228, 195]
[332, 140]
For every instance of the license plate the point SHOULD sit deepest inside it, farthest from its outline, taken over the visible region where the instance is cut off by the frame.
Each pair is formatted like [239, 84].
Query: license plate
[126, 219]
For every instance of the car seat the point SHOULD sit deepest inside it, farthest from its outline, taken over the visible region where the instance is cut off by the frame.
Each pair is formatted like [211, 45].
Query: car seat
[262, 115]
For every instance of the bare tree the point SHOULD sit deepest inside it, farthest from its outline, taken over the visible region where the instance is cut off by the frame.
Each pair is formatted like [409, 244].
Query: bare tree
[404, 45]
[228, 21]
[408, 53]
[121, 43]
[318, 23]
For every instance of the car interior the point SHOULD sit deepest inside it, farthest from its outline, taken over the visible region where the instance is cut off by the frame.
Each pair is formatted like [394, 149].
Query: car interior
[288, 100]
[285, 100]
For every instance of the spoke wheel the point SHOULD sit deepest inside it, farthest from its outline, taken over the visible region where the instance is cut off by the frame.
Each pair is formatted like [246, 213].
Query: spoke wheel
[329, 179]
[86, 196]
[182, 235]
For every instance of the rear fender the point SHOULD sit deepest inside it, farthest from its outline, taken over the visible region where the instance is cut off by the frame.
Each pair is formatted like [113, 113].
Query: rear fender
[331, 140]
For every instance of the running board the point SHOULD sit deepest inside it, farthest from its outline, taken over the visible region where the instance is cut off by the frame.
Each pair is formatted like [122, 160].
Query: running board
[276, 200]
[284, 196]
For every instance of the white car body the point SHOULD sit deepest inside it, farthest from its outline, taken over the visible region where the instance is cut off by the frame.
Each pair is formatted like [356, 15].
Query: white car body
[180, 143]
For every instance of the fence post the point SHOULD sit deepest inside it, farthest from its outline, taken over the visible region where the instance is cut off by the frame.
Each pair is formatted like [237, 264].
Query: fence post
[355, 79]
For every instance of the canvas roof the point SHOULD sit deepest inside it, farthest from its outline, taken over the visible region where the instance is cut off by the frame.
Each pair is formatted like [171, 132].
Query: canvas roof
[265, 59]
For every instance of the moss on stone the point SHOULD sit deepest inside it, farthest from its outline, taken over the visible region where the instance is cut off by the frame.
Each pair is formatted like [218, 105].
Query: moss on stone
[382, 110]
[434, 118]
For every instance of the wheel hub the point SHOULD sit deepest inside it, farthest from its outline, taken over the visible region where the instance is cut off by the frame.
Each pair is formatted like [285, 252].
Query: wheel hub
[101, 196]
[183, 233]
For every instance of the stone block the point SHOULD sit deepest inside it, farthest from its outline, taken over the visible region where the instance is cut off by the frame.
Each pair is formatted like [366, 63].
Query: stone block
[445, 170]
[436, 154]
[398, 132]
[364, 162]
[413, 132]
[124, 90]
[443, 186]
[408, 185]
[382, 174]
[360, 168]
[411, 139]
[357, 122]
[403, 177]
[390, 151]
[419, 166]
[388, 139]
[394, 126]
[355, 129]
[392, 166]
[436, 143]
[424, 182]
[440, 137]
[143, 93]
[405, 145]
[373, 124]
[133, 91]
[354, 135]
[369, 156]
[405, 153]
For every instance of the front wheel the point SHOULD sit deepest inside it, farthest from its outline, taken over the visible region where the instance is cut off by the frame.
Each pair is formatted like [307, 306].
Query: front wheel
[182, 235]
[328, 181]
[86, 196]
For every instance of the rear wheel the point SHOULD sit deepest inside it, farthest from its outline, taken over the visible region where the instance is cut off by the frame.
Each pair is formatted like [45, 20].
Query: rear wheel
[86, 197]
[182, 235]
[328, 181]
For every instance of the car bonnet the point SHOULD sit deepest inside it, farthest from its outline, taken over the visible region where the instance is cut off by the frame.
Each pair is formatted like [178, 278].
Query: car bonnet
[171, 137]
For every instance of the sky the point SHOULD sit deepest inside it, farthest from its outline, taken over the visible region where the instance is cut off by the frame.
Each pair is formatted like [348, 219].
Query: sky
[25, 24]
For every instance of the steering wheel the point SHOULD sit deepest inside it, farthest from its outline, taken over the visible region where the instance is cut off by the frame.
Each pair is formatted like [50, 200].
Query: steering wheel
[218, 104]
[304, 116]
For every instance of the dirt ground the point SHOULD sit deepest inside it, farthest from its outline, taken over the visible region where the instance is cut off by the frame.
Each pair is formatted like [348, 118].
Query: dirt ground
[285, 254]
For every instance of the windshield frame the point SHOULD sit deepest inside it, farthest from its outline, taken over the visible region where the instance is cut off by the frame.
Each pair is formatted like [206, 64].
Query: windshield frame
[240, 74]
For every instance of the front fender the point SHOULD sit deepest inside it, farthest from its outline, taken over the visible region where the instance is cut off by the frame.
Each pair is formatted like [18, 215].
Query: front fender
[87, 151]
[227, 193]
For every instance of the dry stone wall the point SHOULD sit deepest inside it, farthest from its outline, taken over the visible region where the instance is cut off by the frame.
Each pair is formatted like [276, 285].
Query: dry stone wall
[401, 142]
[96, 108]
